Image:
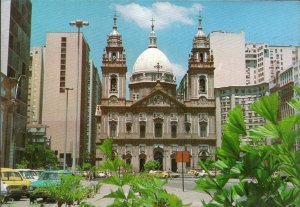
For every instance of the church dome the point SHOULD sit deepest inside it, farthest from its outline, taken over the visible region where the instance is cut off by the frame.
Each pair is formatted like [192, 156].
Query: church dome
[149, 58]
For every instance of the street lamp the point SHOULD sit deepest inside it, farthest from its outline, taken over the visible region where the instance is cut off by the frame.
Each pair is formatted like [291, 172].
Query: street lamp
[66, 125]
[78, 24]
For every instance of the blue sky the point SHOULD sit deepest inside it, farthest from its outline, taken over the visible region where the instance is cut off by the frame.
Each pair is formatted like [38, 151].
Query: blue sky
[273, 22]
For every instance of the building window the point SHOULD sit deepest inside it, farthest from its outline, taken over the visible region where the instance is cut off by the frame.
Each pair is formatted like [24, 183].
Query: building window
[128, 127]
[187, 128]
[113, 83]
[142, 149]
[203, 129]
[173, 130]
[158, 129]
[142, 130]
[202, 85]
[112, 129]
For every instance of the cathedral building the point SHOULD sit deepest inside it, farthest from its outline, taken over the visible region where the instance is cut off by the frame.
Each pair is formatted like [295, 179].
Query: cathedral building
[158, 119]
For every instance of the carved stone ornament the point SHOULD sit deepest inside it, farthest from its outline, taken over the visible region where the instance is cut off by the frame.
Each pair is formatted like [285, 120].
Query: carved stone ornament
[202, 100]
[158, 99]
[113, 99]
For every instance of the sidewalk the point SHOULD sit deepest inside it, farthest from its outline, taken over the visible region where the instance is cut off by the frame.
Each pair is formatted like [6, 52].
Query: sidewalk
[188, 196]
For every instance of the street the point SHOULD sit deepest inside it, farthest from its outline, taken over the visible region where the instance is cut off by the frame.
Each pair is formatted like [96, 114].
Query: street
[189, 196]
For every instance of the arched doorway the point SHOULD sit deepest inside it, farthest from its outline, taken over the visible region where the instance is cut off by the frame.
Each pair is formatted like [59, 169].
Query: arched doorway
[142, 158]
[173, 163]
[128, 157]
[158, 155]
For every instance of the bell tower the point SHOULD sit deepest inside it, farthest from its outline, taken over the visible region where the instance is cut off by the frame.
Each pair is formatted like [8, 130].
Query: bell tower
[200, 67]
[114, 68]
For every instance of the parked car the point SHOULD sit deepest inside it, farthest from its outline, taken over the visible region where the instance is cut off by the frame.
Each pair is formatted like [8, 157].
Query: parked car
[29, 174]
[4, 195]
[46, 178]
[197, 173]
[17, 184]
[101, 174]
[160, 174]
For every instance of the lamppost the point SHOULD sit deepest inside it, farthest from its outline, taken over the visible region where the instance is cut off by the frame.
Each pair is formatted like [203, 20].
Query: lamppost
[78, 24]
[66, 125]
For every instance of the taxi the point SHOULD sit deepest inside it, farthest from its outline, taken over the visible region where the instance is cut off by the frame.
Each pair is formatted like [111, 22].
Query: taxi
[17, 184]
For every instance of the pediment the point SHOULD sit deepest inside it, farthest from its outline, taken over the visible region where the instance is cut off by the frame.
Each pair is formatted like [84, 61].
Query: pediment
[158, 98]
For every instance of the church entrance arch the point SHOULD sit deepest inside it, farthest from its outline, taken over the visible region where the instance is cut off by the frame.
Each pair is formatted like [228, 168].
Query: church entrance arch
[142, 158]
[173, 163]
[128, 157]
[158, 155]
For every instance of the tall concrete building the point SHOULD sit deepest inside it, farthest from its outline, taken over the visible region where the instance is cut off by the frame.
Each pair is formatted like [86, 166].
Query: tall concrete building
[15, 49]
[94, 94]
[35, 85]
[264, 62]
[153, 123]
[60, 73]
[228, 51]
[228, 97]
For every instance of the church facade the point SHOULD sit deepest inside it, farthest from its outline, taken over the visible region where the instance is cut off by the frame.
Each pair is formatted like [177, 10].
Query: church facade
[159, 118]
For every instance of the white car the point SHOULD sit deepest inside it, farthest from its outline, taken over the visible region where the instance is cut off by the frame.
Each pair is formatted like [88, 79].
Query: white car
[29, 174]
[4, 195]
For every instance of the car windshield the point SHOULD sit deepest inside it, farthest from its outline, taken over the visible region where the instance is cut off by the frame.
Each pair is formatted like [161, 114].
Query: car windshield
[28, 174]
[11, 176]
[50, 176]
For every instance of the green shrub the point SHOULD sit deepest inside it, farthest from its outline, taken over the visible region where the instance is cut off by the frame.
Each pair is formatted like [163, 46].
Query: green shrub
[151, 165]
[256, 165]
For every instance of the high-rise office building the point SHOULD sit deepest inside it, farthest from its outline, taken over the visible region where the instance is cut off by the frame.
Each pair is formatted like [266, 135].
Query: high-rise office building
[15, 49]
[228, 51]
[60, 73]
[94, 94]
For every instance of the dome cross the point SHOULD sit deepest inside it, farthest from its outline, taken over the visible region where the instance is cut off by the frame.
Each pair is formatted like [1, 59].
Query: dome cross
[158, 67]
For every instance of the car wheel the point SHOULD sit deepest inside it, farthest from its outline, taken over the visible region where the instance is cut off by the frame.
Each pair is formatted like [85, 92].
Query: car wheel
[17, 198]
[32, 200]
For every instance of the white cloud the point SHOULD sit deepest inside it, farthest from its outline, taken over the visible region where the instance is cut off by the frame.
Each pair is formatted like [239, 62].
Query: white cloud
[164, 14]
[179, 71]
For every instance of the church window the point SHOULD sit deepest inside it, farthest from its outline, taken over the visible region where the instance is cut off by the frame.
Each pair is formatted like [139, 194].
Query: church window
[202, 85]
[113, 83]
[201, 57]
[114, 57]
[203, 129]
[128, 127]
[173, 130]
[187, 128]
[142, 130]
[112, 129]
[158, 129]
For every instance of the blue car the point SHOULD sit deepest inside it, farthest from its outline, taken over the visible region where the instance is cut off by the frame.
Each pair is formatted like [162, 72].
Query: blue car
[46, 178]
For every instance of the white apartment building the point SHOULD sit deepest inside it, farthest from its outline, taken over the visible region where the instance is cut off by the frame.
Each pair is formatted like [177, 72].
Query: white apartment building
[264, 61]
[228, 97]
[228, 50]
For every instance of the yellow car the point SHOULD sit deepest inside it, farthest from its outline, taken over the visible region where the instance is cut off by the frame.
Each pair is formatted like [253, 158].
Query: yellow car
[17, 184]
[161, 174]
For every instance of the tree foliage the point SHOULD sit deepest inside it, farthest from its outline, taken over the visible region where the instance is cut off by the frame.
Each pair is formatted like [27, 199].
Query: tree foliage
[152, 165]
[259, 167]
[38, 156]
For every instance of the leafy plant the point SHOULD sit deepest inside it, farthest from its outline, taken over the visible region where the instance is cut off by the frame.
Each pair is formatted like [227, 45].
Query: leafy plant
[144, 190]
[38, 156]
[68, 191]
[151, 165]
[257, 166]
[23, 165]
